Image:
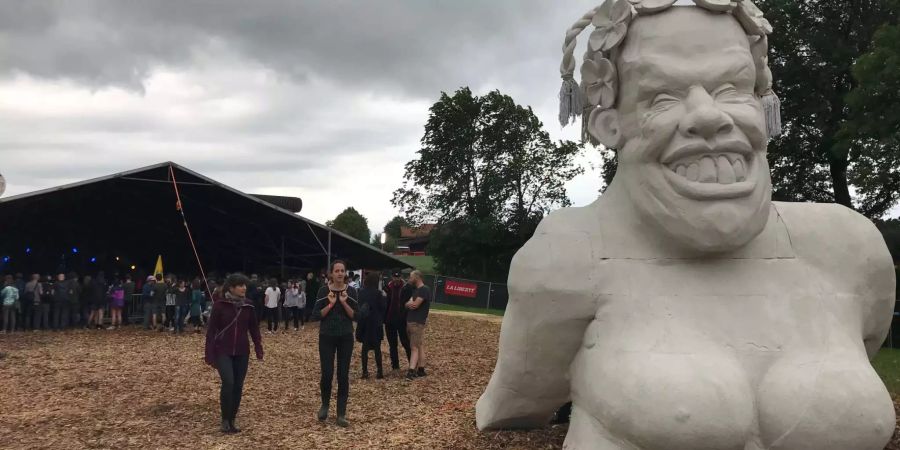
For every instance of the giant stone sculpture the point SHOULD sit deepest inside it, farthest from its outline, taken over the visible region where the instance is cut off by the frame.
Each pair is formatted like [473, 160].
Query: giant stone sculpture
[711, 317]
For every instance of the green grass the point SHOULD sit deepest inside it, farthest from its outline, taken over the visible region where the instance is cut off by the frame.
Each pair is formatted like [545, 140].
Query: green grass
[471, 309]
[887, 364]
[423, 263]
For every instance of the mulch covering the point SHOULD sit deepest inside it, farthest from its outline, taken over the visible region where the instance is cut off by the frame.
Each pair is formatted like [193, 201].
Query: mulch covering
[137, 389]
[131, 388]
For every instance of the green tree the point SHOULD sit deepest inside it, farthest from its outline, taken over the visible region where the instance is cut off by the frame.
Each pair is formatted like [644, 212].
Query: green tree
[486, 173]
[812, 54]
[390, 242]
[352, 223]
[392, 228]
[874, 124]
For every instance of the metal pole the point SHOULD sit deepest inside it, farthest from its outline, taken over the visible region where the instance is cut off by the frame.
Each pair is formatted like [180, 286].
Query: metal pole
[282, 258]
[490, 290]
[329, 249]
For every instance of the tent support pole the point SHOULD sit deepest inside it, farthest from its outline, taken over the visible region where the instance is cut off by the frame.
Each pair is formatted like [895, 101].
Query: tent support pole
[329, 249]
[282, 258]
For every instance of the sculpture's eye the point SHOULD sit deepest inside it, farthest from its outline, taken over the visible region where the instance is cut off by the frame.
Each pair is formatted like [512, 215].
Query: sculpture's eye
[663, 101]
[728, 93]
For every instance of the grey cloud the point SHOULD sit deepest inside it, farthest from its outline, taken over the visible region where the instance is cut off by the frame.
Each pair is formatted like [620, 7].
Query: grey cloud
[408, 46]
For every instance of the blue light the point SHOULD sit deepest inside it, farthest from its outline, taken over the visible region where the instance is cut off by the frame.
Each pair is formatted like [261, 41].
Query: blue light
[6, 259]
[93, 260]
[74, 250]
[28, 250]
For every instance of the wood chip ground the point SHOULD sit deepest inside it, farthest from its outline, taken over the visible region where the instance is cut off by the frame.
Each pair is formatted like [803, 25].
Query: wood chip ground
[131, 388]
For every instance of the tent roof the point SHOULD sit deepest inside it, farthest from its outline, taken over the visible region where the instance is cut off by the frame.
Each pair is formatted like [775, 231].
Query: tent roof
[132, 216]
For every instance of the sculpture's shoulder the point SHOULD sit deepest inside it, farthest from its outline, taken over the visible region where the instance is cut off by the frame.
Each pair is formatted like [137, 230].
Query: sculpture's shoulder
[836, 238]
[563, 241]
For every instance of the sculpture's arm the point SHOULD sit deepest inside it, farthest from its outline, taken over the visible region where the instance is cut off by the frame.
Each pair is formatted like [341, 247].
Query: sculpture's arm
[878, 284]
[551, 304]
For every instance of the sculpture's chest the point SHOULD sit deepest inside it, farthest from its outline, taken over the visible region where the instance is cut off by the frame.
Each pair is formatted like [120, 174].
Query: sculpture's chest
[735, 354]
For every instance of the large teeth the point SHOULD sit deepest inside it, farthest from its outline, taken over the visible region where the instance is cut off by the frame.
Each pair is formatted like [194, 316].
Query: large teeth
[726, 171]
[721, 169]
[708, 170]
[739, 172]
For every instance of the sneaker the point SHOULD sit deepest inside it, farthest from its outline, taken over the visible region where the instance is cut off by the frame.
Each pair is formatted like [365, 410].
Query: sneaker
[111, 328]
[420, 372]
[323, 414]
[296, 329]
[410, 375]
[342, 422]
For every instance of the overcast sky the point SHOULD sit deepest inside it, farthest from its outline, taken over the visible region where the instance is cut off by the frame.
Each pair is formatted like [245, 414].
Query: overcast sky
[265, 96]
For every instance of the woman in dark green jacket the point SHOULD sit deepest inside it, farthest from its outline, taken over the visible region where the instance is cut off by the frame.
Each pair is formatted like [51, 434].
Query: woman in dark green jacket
[336, 305]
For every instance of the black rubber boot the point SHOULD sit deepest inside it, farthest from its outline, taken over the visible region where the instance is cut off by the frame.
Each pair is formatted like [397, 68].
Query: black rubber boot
[323, 413]
[226, 426]
[342, 413]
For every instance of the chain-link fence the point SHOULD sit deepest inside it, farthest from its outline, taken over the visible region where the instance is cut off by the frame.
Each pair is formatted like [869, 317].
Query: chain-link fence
[468, 293]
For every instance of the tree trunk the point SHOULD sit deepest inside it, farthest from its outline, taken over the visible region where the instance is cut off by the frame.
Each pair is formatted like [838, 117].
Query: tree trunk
[839, 183]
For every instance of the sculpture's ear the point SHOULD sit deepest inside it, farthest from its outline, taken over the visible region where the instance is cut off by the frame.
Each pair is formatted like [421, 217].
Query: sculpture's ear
[603, 125]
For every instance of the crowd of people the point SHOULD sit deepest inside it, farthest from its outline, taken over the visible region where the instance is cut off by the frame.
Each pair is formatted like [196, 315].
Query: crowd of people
[347, 311]
[64, 301]
[398, 310]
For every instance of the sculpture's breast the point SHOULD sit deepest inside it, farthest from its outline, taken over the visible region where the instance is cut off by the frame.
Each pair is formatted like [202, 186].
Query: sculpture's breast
[731, 354]
[830, 400]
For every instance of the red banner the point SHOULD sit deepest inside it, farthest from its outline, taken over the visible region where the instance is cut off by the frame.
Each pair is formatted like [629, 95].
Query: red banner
[460, 289]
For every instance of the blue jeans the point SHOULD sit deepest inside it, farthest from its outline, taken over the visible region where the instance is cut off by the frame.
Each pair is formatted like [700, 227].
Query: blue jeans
[181, 312]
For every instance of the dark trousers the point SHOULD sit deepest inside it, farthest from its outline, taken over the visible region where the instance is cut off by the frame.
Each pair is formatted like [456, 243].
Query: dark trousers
[232, 371]
[307, 312]
[148, 314]
[41, 317]
[61, 314]
[27, 314]
[295, 313]
[9, 318]
[393, 331]
[342, 348]
[170, 316]
[181, 313]
[272, 317]
[366, 348]
[85, 315]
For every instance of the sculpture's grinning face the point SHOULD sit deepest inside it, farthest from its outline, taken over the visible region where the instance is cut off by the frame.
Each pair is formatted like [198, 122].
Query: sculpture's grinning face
[694, 153]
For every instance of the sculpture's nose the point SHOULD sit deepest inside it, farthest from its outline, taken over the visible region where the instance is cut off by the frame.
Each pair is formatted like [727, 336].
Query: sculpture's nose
[703, 119]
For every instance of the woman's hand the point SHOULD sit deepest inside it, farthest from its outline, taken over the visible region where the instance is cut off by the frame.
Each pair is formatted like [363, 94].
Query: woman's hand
[344, 296]
[331, 297]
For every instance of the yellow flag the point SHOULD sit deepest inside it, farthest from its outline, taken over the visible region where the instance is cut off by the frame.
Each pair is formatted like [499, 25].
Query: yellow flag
[159, 267]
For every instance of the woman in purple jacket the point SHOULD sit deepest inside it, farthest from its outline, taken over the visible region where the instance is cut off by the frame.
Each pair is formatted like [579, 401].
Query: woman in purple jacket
[227, 346]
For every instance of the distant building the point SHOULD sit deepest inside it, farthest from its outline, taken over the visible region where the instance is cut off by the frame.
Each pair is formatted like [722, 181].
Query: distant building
[414, 240]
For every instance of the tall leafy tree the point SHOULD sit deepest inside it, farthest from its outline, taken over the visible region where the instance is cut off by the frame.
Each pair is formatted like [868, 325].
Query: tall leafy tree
[487, 173]
[874, 124]
[813, 51]
[352, 223]
[392, 228]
